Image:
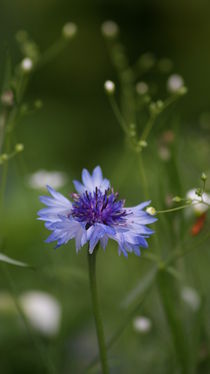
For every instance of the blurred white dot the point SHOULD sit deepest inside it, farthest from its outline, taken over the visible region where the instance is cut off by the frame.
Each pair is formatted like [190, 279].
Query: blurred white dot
[41, 178]
[164, 153]
[142, 324]
[175, 83]
[142, 88]
[27, 64]
[109, 29]
[69, 30]
[43, 311]
[109, 87]
[191, 297]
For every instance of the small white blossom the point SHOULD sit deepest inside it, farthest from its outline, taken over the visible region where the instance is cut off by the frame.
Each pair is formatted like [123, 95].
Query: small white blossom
[27, 64]
[142, 88]
[175, 83]
[198, 208]
[41, 178]
[191, 297]
[109, 87]
[43, 311]
[109, 29]
[142, 324]
[69, 30]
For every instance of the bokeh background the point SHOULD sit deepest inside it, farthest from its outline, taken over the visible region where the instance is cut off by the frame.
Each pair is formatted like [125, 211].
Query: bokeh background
[76, 128]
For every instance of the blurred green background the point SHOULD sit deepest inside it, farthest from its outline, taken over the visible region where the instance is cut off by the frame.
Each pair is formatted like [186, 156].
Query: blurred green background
[76, 128]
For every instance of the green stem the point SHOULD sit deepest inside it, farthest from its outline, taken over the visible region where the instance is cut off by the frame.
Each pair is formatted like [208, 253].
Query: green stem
[119, 331]
[175, 209]
[143, 176]
[118, 114]
[52, 52]
[96, 311]
[148, 127]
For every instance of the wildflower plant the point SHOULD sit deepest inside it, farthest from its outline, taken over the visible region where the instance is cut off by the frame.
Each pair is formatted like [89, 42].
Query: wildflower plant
[94, 216]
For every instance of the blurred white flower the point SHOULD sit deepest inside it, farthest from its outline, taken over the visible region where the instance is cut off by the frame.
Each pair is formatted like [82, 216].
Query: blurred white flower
[69, 30]
[27, 64]
[109, 87]
[142, 324]
[198, 208]
[43, 311]
[109, 29]
[175, 83]
[41, 178]
[142, 88]
[191, 298]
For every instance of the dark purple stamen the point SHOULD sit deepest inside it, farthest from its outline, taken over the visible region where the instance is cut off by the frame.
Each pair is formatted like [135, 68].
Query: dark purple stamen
[98, 207]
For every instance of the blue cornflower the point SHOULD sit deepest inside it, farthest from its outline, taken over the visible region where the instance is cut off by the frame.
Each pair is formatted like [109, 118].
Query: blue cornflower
[95, 215]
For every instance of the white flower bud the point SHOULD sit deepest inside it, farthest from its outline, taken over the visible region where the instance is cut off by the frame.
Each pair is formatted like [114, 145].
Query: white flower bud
[27, 65]
[175, 83]
[109, 87]
[151, 210]
[142, 324]
[69, 30]
[109, 29]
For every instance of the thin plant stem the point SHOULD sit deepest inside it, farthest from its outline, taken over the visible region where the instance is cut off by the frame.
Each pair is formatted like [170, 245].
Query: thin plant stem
[96, 311]
[148, 127]
[174, 209]
[182, 207]
[143, 175]
[52, 52]
[118, 114]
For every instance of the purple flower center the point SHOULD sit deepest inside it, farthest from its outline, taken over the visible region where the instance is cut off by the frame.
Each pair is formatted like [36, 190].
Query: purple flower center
[98, 207]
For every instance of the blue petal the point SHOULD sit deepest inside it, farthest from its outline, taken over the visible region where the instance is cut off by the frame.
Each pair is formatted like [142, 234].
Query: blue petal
[79, 187]
[87, 180]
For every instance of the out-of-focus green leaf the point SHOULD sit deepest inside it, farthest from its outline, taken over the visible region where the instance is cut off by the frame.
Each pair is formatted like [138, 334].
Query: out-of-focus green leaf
[11, 261]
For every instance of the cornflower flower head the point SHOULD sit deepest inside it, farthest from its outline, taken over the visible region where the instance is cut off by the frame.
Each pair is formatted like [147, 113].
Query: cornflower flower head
[95, 215]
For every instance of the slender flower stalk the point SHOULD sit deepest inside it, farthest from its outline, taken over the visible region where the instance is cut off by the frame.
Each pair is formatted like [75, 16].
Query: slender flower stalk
[96, 311]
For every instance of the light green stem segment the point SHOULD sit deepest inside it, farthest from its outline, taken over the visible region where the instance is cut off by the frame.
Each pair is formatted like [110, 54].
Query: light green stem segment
[96, 311]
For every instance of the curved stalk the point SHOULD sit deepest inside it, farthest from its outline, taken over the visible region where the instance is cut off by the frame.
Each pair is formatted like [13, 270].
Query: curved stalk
[96, 311]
